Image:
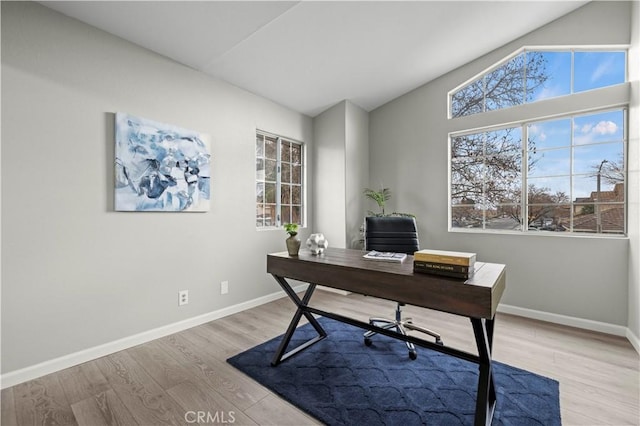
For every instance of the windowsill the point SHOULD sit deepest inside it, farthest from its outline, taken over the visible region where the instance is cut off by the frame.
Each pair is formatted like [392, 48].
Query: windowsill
[540, 234]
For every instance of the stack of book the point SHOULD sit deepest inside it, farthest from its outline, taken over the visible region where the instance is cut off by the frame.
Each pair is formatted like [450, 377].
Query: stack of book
[447, 263]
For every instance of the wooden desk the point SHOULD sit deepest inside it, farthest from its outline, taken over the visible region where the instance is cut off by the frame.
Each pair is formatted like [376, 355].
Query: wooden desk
[476, 299]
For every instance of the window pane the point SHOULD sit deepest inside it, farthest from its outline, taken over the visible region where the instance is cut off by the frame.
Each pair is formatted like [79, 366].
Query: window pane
[548, 75]
[271, 170]
[270, 192]
[285, 172]
[296, 214]
[270, 148]
[552, 162]
[296, 153]
[601, 127]
[265, 215]
[259, 146]
[296, 174]
[506, 142]
[259, 169]
[549, 134]
[285, 214]
[296, 195]
[468, 100]
[466, 181]
[548, 190]
[259, 192]
[466, 217]
[505, 85]
[549, 217]
[598, 69]
[606, 159]
[285, 194]
[285, 153]
[496, 219]
[467, 145]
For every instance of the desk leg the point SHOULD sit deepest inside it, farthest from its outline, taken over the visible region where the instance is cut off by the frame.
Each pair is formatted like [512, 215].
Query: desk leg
[486, 396]
[302, 305]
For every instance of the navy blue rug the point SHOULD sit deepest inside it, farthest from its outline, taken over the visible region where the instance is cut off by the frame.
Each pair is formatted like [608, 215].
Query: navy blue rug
[340, 381]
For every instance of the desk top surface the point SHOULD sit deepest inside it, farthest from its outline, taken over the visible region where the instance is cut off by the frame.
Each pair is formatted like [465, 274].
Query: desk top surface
[345, 269]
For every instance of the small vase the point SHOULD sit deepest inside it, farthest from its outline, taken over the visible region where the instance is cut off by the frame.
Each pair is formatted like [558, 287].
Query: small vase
[293, 245]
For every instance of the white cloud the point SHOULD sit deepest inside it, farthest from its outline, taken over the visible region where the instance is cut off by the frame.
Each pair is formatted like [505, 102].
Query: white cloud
[605, 127]
[603, 69]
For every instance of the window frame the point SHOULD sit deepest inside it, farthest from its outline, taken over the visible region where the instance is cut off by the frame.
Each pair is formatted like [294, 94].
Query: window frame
[279, 139]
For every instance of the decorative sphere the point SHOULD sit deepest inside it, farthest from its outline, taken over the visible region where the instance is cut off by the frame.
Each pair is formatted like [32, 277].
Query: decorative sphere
[317, 243]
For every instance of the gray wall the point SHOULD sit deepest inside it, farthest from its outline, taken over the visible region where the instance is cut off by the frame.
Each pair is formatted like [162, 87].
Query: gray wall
[76, 274]
[581, 277]
[357, 170]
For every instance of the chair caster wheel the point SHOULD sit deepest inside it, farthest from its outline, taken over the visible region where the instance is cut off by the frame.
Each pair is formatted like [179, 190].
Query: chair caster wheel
[367, 341]
[413, 355]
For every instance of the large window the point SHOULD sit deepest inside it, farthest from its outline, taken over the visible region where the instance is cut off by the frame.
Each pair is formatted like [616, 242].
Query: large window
[279, 181]
[569, 176]
[561, 173]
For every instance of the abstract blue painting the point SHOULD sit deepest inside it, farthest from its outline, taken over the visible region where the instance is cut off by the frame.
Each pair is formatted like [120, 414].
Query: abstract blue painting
[160, 167]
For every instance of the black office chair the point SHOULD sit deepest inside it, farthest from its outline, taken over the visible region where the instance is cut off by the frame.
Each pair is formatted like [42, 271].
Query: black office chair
[397, 234]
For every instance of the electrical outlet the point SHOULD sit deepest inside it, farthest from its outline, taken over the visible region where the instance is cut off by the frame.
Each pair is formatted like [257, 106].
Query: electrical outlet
[224, 287]
[183, 297]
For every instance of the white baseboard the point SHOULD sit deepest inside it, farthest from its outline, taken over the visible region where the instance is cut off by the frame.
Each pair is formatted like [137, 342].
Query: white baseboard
[29, 373]
[32, 372]
[602, 327]
[633, 339]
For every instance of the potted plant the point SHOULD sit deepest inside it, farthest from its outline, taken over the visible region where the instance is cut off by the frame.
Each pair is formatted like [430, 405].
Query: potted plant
[293, 242]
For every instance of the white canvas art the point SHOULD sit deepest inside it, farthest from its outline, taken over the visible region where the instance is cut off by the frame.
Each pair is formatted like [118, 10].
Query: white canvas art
[160, 167]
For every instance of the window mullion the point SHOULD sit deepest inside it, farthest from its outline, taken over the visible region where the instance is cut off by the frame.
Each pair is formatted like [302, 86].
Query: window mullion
[524, 206]
[279, 219]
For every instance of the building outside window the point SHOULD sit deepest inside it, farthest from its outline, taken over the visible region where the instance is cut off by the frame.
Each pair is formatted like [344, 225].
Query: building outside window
[565, 173]
[279, 181]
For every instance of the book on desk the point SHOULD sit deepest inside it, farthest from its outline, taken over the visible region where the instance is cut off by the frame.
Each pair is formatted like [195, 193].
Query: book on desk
[459, 265]
[385, 256]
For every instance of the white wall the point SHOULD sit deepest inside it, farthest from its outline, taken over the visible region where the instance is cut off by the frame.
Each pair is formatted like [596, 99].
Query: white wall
[579, 277]
[76, 274]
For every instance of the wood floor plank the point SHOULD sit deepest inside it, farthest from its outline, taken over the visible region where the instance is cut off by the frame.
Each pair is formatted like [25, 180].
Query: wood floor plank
[8, 408]
[82, 381]
[144, 398]
[161, 366]
[201, 401]
[276, 412]
[42, 402]
[104, 408]
[229, 382]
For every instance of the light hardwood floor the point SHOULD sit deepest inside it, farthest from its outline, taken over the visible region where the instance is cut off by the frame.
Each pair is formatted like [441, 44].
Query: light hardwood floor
[170, 380]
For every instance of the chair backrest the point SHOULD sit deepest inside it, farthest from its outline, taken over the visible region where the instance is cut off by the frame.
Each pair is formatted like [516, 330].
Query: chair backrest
[397, 234]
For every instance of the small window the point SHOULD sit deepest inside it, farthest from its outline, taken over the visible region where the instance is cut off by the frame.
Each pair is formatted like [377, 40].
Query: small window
[279, 181]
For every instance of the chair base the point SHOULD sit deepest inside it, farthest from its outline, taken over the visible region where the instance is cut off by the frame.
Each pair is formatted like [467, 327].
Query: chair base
[401, 326]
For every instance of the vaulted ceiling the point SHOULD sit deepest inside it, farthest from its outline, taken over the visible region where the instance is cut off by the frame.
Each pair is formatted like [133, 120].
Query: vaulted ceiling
[310, 55]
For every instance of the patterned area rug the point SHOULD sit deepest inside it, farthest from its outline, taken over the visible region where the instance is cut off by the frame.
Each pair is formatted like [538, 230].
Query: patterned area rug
[340, 381]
